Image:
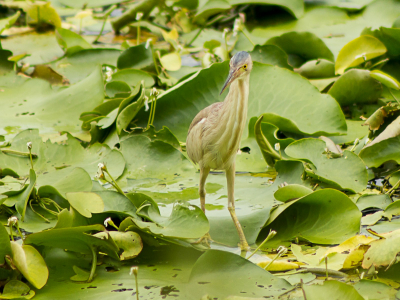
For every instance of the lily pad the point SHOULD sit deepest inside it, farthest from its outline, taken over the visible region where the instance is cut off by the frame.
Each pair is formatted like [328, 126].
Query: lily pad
[325, 217]
[36, 105]
[347, 172]
[270, 54]
[86, 203]
[15, 289]
[303, 45]
[319, 68]
[133, 77]
[218, 267]
[30, 263]
[333, 288]
[356, 87]
[70, 41]
[136, 57]
[359, 50]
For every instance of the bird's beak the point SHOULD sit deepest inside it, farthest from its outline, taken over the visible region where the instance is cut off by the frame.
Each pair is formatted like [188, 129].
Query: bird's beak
[228, 81]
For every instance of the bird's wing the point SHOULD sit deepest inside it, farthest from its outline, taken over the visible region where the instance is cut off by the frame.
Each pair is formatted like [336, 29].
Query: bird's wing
[204, 114]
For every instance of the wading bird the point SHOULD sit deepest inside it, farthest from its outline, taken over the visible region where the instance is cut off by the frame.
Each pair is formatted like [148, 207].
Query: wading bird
[215, 133]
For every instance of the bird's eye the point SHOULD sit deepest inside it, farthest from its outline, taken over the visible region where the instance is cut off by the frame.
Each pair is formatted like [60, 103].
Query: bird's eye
[245, 67]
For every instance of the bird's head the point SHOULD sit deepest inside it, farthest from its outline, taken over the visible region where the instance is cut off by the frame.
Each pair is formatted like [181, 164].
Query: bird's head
[239, 66]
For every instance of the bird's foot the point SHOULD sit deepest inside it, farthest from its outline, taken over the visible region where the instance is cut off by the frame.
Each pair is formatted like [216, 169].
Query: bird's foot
[205, 239]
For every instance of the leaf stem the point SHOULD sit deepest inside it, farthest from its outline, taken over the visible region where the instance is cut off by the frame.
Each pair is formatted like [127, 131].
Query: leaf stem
[246, 35]
[393, 189]
[106, 15]
[94, 264]
[271, 234]
[391, 93]
[114, 183]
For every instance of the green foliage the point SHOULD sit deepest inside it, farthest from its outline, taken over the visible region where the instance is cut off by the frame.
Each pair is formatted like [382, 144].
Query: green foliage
[97, 98]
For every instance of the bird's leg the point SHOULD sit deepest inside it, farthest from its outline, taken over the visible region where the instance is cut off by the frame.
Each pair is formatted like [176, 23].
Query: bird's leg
[230, 178]
[202, 192]
[202, 188]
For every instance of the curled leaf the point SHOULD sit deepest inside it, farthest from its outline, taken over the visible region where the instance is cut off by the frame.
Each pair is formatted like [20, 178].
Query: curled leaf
[270, 155]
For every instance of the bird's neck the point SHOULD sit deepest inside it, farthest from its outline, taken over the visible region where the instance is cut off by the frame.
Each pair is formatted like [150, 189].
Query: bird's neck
[238, 98]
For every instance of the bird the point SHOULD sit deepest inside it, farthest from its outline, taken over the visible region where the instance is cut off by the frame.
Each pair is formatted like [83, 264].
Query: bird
[214, 135]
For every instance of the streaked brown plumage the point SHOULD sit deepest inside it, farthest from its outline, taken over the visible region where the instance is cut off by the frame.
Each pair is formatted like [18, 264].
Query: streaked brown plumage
[215, 133]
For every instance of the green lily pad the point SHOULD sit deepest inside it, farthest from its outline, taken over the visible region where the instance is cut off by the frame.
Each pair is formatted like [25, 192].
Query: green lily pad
[41, 47]
[180, 104]
[270, 54]
[333, 288]
[136, 57]
[303, 45]
[292, 192]
[361, 49]
[384, 147]
[152, 159]
[374, 290]
[117, 89]
[130, 242]
[171, 61]
[5, 242]
[324, 217]
[347, 172]
[37, 105]
[356, 86]
[30, 263]
[52, 157]
[385, 79]
[70, 41]
[382, 252]
[319, 68]
[15, 289]
[185, 222]
[133, 77]
[74, 239]
[214, 269]
[79, 65]
[86, 203]
[373, 200]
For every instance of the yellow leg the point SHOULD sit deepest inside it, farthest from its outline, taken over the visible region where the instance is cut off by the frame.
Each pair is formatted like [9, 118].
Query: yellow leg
[230, 178]
[202, 192]
[202, 188]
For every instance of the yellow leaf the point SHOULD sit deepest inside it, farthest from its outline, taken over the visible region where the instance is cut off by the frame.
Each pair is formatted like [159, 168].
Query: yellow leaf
[279, 265]
[350, 244]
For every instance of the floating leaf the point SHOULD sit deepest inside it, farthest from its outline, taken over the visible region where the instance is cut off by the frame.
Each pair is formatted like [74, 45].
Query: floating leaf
[5, 242]
[23, 198]
[117, 89]
[133, 77]
[171, 61]
[383, 252]
[70, 41]
[385, 79]
[346, 172]
[270, 54]
[303, 45]
[333, 288]
[326, 216]
[86, 203]
[15, 289]
[357, 51]
[384, 147]
[319, 68]
[216, 267]
[291, 192]
[136, 57]
[356, 87]
[130, 242]
[30, 263]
